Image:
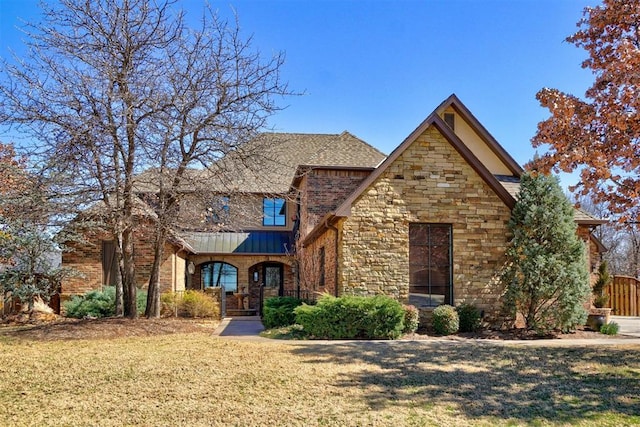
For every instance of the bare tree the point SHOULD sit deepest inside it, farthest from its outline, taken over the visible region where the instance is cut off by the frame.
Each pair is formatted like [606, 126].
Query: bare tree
[113, 88]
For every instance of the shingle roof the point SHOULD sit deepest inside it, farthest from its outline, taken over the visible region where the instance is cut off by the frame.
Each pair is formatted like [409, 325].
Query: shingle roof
[512, 185]
[250, 242]
[268, 163]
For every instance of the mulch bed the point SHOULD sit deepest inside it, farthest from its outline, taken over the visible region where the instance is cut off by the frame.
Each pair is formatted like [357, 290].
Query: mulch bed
[517, 334]
[53, 328]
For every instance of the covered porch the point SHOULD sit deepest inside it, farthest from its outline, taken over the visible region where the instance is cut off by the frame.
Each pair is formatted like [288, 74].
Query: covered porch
[242, 263]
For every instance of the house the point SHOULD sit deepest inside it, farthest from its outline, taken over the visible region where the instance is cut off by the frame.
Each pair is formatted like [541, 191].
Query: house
[426, 224]
[242, 233]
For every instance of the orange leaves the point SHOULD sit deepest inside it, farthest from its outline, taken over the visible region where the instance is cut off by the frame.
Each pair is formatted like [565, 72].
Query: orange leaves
[601, 136]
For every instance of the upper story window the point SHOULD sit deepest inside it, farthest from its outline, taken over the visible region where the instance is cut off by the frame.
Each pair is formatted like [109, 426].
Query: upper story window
[274, 212]
[218, 211]
[450, 119]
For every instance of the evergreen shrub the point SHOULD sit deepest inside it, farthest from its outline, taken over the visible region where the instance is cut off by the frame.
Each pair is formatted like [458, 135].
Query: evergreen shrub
[100, 303]
[469, 317]
[546, 276]
[278, 311]
[444, 320]
[352, 317]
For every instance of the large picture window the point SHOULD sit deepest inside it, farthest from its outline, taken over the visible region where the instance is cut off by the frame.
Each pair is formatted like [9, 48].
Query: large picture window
[274, 212]
[217, 274]
[430, 256]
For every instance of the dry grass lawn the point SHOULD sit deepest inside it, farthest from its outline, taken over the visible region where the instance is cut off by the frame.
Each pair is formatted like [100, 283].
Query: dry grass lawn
[194, 379]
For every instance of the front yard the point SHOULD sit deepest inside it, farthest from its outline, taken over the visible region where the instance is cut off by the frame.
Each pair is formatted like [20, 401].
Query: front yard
[194, 379]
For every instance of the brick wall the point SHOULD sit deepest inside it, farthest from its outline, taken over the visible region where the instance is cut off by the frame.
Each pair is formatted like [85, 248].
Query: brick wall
[323, 190]
[430, 182]
[310, 264]
[86, 259]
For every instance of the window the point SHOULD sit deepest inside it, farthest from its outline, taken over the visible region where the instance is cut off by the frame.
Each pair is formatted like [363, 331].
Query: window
[217, 274]
[273, 277]
[218, 211]
[430, 255]
[450, 119]
[274, 212]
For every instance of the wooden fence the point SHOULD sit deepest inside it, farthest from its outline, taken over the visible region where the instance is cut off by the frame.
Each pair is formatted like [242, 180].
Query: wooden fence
[624, 296]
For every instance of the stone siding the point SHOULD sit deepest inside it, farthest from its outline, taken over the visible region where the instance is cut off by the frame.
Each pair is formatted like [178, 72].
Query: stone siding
[246, 265]
[429, 183]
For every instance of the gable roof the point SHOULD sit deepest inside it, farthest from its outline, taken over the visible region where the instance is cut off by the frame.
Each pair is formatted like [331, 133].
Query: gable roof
[269, 162]
[454, 102]
[434, 119]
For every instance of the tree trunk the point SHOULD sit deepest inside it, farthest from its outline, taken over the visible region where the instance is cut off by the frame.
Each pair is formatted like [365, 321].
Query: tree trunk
[119, 274]
[128, 277]
[153, 293]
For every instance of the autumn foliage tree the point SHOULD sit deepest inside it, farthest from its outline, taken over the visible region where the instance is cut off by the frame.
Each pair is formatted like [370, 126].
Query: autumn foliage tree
[600, 135]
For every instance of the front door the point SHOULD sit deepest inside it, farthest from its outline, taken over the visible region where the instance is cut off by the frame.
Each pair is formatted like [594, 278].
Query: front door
[273, 277]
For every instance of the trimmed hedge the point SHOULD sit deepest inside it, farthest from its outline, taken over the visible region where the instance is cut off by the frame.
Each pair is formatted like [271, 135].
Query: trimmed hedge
[445, 320]
[352, 317]
[469, 317]
[278, 311]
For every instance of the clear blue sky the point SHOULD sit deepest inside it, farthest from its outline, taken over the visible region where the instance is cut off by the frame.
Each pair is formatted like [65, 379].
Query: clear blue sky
[378, 68]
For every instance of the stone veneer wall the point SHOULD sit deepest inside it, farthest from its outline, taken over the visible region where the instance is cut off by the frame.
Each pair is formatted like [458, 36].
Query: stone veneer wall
[246, 265]
[430, 183]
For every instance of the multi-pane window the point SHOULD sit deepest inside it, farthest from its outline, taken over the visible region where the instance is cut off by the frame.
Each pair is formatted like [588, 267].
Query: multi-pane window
[217, 274]
[274, 212]
[430, 255]
[218, 211]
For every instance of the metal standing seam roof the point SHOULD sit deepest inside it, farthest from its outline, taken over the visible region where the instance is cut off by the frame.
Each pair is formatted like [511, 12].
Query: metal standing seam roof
[249, 242]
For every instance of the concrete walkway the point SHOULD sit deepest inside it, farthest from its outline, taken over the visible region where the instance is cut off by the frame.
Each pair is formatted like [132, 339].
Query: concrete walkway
[241, 327]
[248, 328]
[628, 325]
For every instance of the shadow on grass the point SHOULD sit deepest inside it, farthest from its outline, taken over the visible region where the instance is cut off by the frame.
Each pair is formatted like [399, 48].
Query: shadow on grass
[522, 383]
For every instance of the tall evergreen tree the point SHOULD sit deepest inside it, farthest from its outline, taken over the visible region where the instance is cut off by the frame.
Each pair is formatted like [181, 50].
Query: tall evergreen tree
[546, 276]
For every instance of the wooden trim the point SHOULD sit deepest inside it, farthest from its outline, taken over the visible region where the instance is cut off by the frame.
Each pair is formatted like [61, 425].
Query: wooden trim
[434, 119]
[484, 134]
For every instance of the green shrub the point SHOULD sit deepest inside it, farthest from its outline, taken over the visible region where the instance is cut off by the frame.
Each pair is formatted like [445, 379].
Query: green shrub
[350, 317]
[96, 303]
[445, 320]
[141, 300]
[169, 304]
[278, 311]
[411, 319]
[469, 317]
[610, 328]
[197, 304]
[100, 303]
